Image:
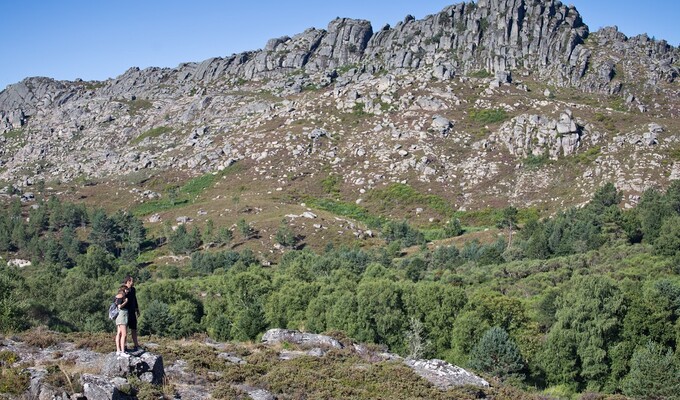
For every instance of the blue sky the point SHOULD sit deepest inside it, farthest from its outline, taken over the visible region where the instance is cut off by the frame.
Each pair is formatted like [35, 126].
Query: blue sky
[96, 40]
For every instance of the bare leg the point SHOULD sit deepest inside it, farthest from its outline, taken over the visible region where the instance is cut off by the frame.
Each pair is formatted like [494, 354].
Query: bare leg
[134, 337]
[119, 338]
[123, 338]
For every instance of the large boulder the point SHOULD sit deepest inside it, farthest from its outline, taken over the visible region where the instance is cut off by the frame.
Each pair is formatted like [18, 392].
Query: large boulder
[274, 336]
[445, 375]
[147, 366]
[97, 387]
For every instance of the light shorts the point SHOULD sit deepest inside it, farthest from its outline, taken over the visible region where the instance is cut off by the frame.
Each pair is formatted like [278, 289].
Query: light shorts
[122, 318]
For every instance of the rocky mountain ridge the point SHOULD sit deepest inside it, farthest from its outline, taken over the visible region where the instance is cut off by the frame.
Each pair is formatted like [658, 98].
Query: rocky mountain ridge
[486, 103]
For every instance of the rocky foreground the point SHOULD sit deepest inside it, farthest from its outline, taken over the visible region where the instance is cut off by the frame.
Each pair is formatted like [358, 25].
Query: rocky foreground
[145, 373]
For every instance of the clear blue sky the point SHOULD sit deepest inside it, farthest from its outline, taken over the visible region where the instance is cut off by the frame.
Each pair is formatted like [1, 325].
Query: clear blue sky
[96, 40]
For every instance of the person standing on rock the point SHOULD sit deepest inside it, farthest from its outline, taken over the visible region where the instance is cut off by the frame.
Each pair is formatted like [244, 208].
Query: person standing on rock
[133, 310]
[121, 301]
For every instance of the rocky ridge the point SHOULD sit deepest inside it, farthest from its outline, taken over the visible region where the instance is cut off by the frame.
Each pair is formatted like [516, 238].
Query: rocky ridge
[393, 105]
[112, 376]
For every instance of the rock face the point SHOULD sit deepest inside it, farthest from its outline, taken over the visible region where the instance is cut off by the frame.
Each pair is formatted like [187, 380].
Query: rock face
[406, 91]
[147, 366]
[99, 388]
[536, 135]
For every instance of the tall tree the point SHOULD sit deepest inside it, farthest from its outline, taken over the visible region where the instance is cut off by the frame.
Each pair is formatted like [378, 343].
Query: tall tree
[588, 326]
[497, 354]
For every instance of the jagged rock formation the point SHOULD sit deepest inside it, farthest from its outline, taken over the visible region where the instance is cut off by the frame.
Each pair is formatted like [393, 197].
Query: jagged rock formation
[405, 88]
[534, 135]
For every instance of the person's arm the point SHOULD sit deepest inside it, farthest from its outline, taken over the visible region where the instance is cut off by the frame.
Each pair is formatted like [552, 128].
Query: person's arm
[121, 301]
[136, 304]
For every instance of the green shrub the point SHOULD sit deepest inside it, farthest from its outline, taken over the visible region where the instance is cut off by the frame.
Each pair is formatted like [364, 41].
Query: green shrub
[485, 116]
[14, 381]
[531, 161]
[350, 210]
[150, 134]
[358, 109]
[155, 319]
[400, 194]
[401, 230]
[285, 235]
[482, 73]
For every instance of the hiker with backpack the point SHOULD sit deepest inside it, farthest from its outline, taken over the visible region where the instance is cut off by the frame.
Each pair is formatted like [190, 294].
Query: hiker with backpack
[121, 301]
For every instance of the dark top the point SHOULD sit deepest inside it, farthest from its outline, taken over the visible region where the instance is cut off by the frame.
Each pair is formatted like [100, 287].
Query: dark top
[132, 301]
[119, 300]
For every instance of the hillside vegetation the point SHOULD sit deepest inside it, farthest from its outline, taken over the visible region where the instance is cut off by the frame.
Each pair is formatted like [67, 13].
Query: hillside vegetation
[587, 300]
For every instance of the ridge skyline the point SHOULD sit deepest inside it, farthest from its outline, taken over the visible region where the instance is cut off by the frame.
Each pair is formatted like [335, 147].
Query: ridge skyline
[153, 53]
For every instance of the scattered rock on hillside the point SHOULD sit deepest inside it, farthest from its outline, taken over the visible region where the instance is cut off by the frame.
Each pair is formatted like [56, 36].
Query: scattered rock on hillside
[444, 375]
[273, 336]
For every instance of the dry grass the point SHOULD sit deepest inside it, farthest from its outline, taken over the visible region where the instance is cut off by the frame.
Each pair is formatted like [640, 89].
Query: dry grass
[40, 337]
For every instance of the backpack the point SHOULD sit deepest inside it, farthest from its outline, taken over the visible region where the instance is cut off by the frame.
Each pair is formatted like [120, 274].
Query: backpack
[113, 310]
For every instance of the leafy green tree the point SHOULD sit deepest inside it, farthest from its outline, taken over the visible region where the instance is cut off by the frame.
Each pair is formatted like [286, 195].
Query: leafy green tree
[605, 197]
[335, 306]
[401, 230]
[80, 300]
[668, 241]
[186, 318]
[285, 235]
[436, 305]
[104, 231]
[70, 244]
[654, 374]
[381, 315]
[133, 235]
[652, 314]
[12, 309]
[497, 354]
[247, 292]
[20, 237]
[287, 306]
[508, 220]
[445, 257]
[224, 236]
[97, 262]
[588, 325]
[453, 228]
[208, 232]
[156, 319]
[183, 242]
[5, 232]
[38, 219]
[652, 210]
[483, 310]
[245, 229]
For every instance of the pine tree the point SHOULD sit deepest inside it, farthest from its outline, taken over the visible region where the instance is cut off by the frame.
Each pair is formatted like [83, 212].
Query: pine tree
[497, 354]
[653, 374]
